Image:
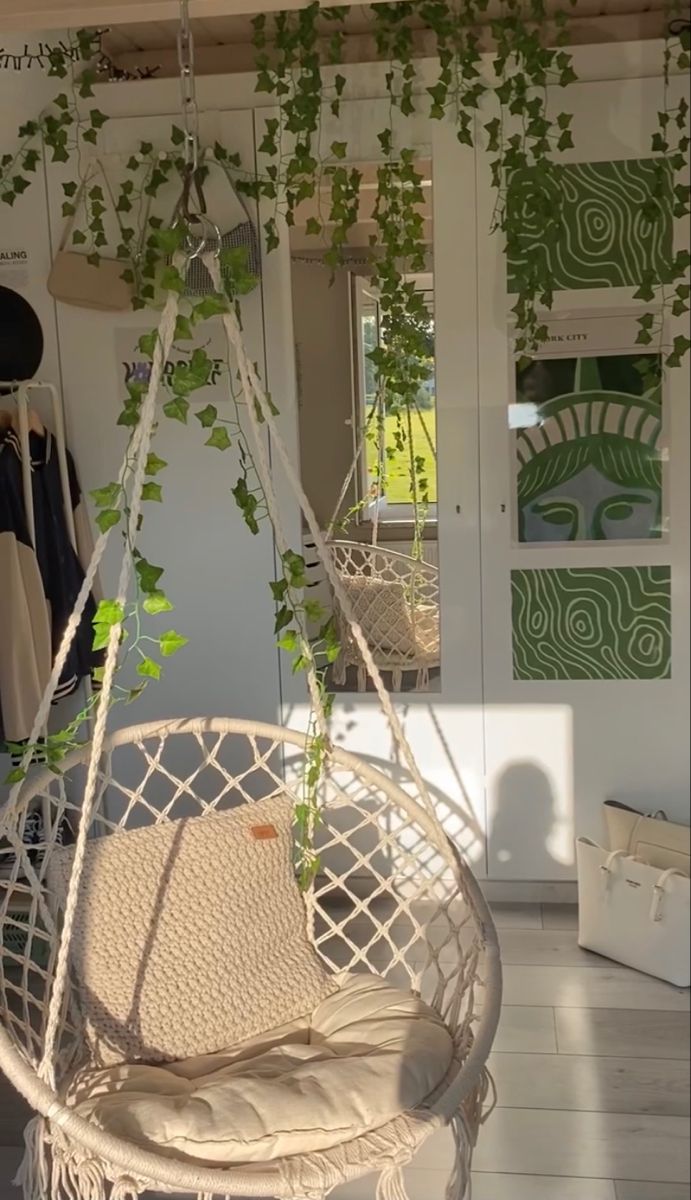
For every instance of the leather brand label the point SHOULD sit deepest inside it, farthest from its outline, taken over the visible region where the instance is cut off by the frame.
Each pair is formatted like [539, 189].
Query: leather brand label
[263, 833]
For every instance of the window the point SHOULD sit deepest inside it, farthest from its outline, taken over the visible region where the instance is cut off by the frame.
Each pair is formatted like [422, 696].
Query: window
[397, 502]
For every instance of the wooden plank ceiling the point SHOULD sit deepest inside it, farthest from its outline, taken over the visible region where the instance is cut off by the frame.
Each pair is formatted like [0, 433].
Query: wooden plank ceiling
[142, 33]
[224, 42]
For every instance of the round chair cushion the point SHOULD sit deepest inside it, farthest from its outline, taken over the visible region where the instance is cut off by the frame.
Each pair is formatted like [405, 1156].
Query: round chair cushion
[365, 1055]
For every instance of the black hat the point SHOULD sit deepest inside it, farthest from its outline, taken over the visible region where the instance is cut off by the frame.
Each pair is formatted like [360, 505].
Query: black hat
[21, 337]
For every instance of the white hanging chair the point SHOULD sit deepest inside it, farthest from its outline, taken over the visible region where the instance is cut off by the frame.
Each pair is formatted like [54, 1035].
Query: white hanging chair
[393, 597]
[395, 600]
[179, 1015]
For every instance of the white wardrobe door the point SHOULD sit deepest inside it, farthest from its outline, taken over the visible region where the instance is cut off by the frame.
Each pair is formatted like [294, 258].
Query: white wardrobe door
[585, 641]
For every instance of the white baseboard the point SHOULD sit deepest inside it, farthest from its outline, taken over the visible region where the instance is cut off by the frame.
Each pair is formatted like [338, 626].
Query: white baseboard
[528, 891]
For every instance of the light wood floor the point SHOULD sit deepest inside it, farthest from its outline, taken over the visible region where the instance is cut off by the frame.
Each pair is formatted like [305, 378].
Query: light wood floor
[592, 1072]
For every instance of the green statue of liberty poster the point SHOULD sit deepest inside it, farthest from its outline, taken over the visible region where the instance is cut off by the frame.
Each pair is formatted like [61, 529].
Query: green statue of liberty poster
[588, 457]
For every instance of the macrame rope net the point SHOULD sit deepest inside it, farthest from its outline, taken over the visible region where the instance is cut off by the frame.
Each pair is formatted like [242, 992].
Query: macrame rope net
[371, 829]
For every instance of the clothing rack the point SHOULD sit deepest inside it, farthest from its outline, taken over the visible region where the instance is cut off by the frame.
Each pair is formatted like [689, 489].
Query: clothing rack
[22, 392]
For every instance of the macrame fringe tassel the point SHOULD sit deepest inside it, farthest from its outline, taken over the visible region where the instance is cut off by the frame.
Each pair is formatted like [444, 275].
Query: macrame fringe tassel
[33, 1176]
[423, 680]
[465, 1128]
[474, 1107]
[125, 1189]
[74, 1180]
[391, 1185]
[459, 1185]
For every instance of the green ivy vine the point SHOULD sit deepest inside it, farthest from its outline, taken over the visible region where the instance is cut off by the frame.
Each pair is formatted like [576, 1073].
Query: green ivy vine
[670, 289]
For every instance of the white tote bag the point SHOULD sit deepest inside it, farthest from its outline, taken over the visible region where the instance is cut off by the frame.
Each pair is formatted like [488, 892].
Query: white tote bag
[652, 837]
[633, 913]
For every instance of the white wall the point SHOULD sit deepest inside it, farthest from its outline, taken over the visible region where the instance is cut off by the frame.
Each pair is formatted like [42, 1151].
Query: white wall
[561, 748]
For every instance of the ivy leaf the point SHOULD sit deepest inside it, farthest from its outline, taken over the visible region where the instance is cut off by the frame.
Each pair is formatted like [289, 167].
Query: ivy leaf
[171, 642]
[177, 135]
[646, 291]
[207, 416]
[177, 409]
[219, 438]
[15, 776]
[312, 227]
[70, 188]
[152, 491]
[108, 614]
[157, 602]
[339, 149]
[154, 464]
[98, 119]
[680, 348]
[106, 497]
[147, 343]
[172, 281]
[210, 306]
[283, 618]
[168, 240]
[108, 518]
[183, 328]
[314, 611]
[289, 641]
[149, 668]
[148, 575]
[31, 160]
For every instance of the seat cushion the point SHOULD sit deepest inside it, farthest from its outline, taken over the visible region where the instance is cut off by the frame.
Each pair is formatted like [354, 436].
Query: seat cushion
[365, 1055]
[191, 934]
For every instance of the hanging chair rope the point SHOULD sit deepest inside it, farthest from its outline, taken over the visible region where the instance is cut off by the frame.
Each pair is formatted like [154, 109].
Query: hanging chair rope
[254, 392]
[164, 342]
[362, 438]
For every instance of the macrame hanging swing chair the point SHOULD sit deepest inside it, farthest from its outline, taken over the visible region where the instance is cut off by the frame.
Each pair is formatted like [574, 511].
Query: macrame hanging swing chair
[180, 1015]
[393, 597]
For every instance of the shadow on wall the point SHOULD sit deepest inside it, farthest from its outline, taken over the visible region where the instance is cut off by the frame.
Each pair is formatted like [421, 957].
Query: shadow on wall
[525, 821]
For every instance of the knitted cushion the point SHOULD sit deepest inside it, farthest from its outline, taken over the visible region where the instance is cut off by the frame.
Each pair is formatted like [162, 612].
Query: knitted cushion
[385, 612]
[366, 1054]
[191, 935]
[380, 607]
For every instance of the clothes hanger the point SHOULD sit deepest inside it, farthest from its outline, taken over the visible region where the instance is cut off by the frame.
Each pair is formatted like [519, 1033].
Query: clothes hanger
[10, 419]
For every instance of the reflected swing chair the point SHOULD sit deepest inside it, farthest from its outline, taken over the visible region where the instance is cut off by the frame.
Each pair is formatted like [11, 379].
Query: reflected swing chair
[179, 1014]
[393, 597]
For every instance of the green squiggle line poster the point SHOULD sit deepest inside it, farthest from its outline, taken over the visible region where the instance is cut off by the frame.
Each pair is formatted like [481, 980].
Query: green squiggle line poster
[591, 623]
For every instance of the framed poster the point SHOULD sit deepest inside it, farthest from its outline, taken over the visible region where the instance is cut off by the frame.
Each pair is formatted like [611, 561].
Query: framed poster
[587, 436]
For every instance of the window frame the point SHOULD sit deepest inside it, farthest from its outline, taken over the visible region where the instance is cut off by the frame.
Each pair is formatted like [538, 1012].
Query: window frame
[392, 515]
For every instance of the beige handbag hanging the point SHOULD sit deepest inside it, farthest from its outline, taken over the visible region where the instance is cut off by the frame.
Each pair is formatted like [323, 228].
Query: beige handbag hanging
[74, 280]
[652, 838]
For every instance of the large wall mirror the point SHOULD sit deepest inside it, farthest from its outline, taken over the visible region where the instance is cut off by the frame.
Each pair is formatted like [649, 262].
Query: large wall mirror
[369, 454]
